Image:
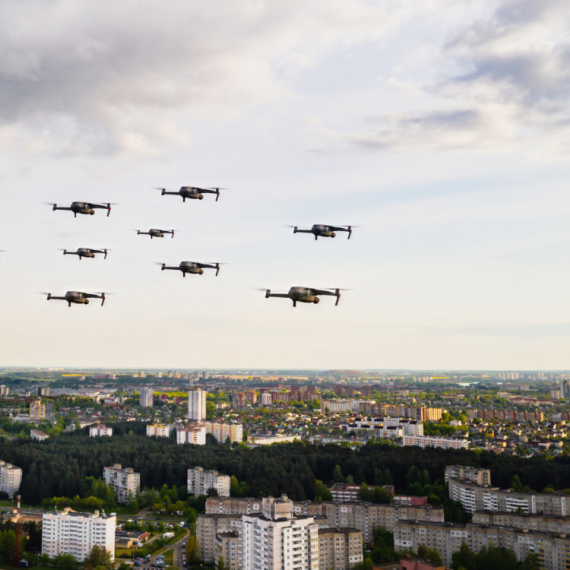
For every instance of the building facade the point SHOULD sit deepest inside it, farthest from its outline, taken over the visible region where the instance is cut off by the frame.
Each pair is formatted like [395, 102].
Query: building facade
[223, 431]
[126, 483]
[100, 430]
[227, 548]
[340, 548]
[193, 434]
[277, 539]
[158, 430]
[197, 405]
[10, 478]
[201, 481]
[68, 532]
[146, 398]
[37, 410]
[443, 442]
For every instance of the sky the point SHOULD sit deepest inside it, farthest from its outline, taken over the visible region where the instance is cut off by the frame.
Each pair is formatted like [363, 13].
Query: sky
[440, 128]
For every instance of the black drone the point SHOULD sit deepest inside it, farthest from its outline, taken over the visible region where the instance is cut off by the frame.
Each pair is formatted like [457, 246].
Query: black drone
[84, 208]
[305, 295]
[321, 230]
[156, 233]
[193, 267]
[85, 252]
[192, 192]
[78, 297]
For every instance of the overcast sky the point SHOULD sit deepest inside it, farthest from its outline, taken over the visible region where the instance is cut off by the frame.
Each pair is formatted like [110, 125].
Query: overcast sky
[440, 127]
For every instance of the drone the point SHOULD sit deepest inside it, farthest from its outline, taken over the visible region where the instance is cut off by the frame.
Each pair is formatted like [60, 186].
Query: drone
[78, 297]
[193, 267]
[324, 230]
[305, 295]
[192, 192]
[84, 208]
[85, 252]
[156, 233]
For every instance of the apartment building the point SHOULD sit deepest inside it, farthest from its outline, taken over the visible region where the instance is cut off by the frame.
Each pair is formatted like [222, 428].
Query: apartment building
[146, 398]
[10, 478]
[443, 442]
[126, 483]
[201, 481]
[339, 406]
[68, 532]
[388, 428]
[361, 515]
[158, 430]
[475, 497]
[507, 415]
[536, 523]
[37, 410]
[100, 430]
[223, 431]
[553, 549]
[227, 548]
[208, 527]
[276, 538]
[473, 474]
[194, 434]
[197, 405]
[340, 548]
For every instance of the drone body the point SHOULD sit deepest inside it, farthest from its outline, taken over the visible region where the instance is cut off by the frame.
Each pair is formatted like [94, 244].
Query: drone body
[78, 297]
[192, 192]
[155, 233]
[85, 252]
[84, 208]
[193, 267]
[322, 230]
[305, 295]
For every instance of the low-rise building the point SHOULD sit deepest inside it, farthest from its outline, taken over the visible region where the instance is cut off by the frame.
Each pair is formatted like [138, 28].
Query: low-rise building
[158, 430]
[68, 532]
[100, 430]
[38, 435]
[443, 442]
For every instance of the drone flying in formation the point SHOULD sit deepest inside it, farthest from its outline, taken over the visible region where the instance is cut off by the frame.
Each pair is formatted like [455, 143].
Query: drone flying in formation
[84, 208]
[156, 233]
[78, 297]
[193, 267]
[295, 294]
[305, 295]
[192, 192]
[86, 252]
[321, 230]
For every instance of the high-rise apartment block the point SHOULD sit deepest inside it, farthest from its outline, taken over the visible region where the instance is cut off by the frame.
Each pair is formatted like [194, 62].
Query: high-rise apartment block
[227, 548]
[146, 398]
[340, 548]
[194, 434]
[100, 430]
[68, 532]
[197, 405]
[10, 478]
[201, 481]
[126, 483]
[277, 539]
[223, 431]
[475, 475]
[443, 442]
[208, 527]
[37, 410]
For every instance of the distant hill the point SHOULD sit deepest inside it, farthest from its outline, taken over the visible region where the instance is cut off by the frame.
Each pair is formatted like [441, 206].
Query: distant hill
[342, 373]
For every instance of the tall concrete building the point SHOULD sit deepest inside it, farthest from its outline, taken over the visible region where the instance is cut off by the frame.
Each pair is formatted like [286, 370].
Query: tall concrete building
[227, 548]
[194, 434]
[278, 539]
[197, 405]
[222, 431]
[126, 483]
[37, 410]
[158, 430]
[146, 398]
[10, 478]
[100, 430]
[340, 548]
[68, 532]
[201, 481]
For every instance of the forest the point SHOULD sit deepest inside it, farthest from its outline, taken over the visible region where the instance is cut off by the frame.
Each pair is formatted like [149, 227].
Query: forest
[59, 466]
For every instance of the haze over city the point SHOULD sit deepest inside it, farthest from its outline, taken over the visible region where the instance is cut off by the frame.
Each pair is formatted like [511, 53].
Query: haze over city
[440, 128]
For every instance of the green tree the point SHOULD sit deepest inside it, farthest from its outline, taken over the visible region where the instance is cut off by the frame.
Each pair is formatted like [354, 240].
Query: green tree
[192, 550]
[338, 477]
[221, 564]
[322, 492]
[99, 557]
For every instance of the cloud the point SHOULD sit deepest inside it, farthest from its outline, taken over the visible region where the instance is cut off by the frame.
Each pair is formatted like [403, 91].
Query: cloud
[498, 82]
[97, 77]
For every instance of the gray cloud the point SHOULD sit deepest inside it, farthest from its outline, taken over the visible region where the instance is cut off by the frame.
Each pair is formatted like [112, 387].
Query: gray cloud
[109, 77]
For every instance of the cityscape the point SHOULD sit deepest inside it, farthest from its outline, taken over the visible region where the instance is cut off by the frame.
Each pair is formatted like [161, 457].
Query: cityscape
[284, 285]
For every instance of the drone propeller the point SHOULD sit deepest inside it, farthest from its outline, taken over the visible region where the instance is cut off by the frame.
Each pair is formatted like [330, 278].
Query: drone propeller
[217, 189]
